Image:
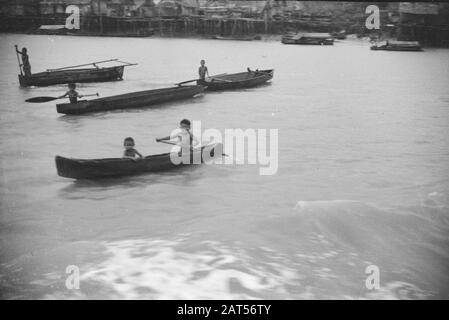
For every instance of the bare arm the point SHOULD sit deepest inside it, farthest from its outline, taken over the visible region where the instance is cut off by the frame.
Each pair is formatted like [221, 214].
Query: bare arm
[163, 138]
[138, 153]
[64, 95]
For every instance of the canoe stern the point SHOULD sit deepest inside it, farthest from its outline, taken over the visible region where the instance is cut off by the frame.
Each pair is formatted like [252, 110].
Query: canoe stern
[240, 82]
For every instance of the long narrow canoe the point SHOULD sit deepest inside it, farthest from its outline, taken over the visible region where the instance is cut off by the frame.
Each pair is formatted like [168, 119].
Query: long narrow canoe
[130, 100]
[238, 80]
[391, 45]
[308, 39]
[116, 167]
[48, 78]
[237, 38]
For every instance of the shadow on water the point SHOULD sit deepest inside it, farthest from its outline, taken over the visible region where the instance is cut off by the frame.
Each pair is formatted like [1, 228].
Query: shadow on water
[86, 188]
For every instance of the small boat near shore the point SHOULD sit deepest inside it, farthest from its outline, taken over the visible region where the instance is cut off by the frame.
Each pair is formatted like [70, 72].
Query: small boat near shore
[117, 167]
[130, 100]
[339, 35]
[237, 38]
[74, 74]
[390, 45]
[239, 80]
[308, 39]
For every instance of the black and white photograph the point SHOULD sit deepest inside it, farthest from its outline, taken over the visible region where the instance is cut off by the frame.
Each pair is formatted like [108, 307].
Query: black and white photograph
[230, 150]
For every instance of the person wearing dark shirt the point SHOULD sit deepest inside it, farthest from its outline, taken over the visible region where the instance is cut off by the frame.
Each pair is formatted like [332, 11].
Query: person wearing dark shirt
[26, 66]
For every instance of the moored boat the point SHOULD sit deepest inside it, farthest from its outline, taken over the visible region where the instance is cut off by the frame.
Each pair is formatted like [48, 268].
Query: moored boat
[339, 35]
[391, 45]
[116, 167]
[86, 75]
[75, 74]
[308, 39]
[51, 30]
[238, 80]
[237, 38]
[130, 100]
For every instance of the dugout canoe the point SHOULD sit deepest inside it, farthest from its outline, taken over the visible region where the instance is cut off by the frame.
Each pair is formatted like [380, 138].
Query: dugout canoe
[308, 39]
[85, 75]
[238, 80]
[237, 38]
[117, 167]
[130, 100]
[391, 45]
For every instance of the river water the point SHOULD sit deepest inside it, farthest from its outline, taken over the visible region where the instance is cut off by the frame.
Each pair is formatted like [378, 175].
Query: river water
[363, 177]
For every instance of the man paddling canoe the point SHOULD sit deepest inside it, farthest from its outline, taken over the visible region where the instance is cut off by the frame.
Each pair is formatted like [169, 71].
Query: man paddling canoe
[183, 136]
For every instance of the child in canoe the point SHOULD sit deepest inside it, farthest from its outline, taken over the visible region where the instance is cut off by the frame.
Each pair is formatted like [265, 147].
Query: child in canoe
[202, 71]
[72, 94]
[130, 152]
[182, 135]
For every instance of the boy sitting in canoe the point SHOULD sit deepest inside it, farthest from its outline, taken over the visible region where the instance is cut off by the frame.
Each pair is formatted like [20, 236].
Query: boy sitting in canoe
[183, 136]
[130, 152]
[72, 94]
[202, 71]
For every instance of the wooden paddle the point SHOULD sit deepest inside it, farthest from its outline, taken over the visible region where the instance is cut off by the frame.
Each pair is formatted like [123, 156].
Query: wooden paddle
[46, 99]
[18, 60]
[175, 144]
[167, 142]
[180, 83]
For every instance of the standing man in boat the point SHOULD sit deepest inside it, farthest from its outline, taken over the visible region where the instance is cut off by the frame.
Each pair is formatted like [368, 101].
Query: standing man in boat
[202, 71]
[26, 66]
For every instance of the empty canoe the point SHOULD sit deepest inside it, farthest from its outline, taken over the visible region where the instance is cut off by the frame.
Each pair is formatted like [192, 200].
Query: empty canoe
[238, 80]
[84, 75]
[115, 167]
[391, 45]
[308, 39]
[130, 100]
[237, 38]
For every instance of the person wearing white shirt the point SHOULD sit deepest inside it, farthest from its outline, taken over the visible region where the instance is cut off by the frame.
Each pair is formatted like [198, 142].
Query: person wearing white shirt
[182, 136]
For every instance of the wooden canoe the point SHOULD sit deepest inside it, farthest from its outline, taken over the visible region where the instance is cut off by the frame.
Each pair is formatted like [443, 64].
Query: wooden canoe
[308, 39]
[238, 80]
[116, 167]
[130, 100]
[48, 78]
[237, 38]
[398, 46]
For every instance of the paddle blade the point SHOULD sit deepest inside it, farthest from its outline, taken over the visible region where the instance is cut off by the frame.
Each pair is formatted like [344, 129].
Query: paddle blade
[40, 99]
